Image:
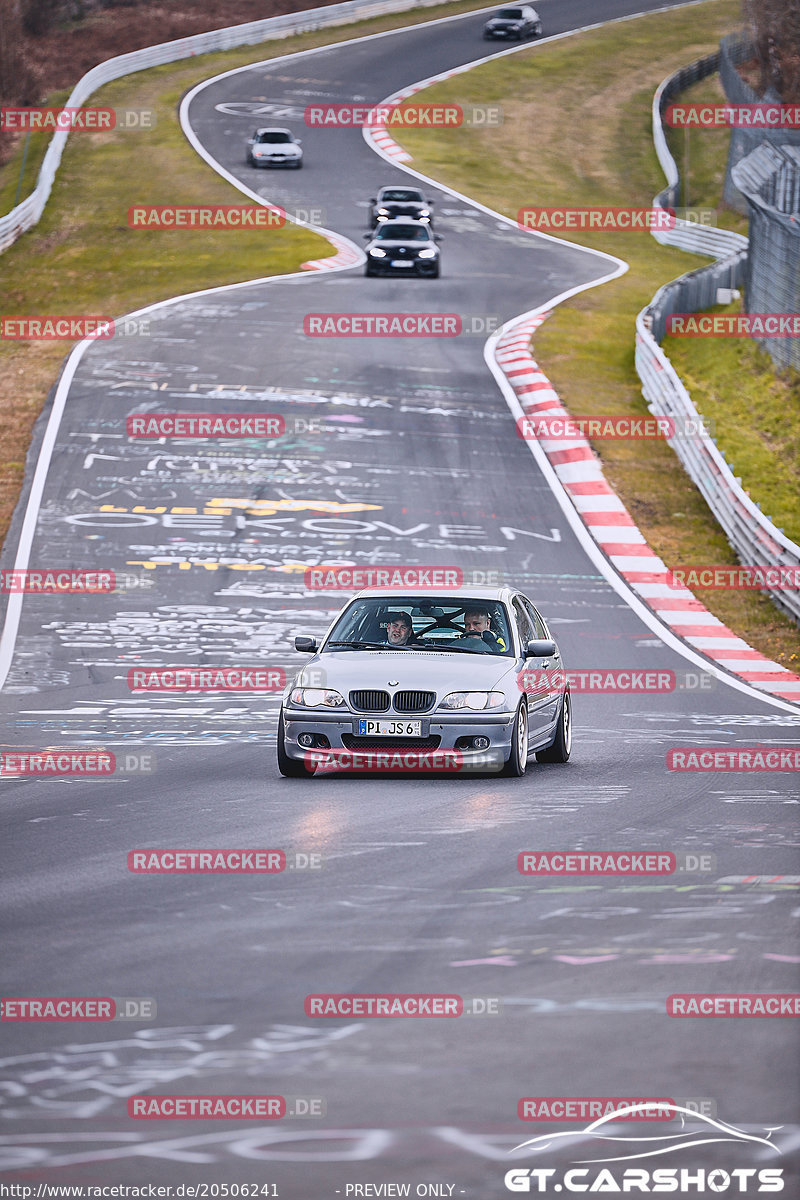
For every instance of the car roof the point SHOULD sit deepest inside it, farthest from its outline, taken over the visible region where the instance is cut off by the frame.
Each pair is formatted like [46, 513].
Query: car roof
[274, 129]
[392, 187]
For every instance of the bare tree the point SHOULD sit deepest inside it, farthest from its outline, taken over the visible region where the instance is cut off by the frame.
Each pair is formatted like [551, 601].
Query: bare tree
[775, 26]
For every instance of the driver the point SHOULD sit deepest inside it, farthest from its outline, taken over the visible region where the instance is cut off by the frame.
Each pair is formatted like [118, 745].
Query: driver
[477, 625]
[399, 630]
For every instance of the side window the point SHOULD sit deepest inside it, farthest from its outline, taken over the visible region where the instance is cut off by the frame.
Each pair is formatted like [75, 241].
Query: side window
[524, 623]
[536, 620]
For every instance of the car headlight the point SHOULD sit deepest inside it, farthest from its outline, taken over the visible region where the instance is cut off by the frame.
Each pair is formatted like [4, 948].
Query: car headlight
[424, 212]
[376, 252]
[431, 253]
[474, 700]
[317, 698]
[383, 212]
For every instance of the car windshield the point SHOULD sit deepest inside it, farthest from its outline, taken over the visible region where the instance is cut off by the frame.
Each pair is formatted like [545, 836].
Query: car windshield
[401, 195]
[274, 137]
[404, 233]
[510, 14]
[423, 623]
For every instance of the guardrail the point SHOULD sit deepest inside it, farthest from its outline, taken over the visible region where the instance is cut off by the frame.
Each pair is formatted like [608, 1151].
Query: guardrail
[26, 214]
[756, 540]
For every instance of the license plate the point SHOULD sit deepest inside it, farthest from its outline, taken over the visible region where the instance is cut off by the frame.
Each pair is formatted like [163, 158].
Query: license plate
[401, 262]
[390, 728]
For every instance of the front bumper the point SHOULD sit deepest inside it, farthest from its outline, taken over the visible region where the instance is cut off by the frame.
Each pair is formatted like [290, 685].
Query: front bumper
[440, 733]
[502, 33]
[263, 160]
[383, 266]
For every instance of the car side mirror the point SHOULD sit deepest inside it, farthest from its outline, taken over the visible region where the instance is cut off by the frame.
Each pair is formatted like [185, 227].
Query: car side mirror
[437, 237]
[306, 645]
[299, 141]
[541, 648]
[373, 199]
[367, 235]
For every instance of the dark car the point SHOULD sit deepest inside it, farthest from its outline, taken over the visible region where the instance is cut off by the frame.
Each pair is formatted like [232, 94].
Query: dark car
[402, 247]
[514, 23]
[393, 202]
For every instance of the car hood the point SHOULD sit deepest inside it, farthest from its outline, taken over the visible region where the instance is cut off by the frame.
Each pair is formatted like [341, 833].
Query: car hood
[426, 670]
[395, 244]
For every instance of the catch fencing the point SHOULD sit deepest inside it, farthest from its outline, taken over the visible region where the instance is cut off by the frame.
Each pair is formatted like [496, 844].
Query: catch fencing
[754, 537]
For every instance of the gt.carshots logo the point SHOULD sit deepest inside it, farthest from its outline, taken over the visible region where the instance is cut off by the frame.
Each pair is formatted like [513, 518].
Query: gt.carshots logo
[398, 324]
[610, 219]
[682, 1181]
[608, 1144]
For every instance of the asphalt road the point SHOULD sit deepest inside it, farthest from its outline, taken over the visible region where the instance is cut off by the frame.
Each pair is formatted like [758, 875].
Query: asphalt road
[416, 462]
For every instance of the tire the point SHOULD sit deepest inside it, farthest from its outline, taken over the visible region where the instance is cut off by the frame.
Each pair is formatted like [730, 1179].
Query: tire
[290, 768]
[436, 272]
[517, 760]
[368, 271]
[559, 752]
[538, 30]
[298, 165]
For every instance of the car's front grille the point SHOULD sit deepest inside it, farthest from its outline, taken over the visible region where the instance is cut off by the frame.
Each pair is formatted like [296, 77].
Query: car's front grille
[352, 741]
[412, 702]
[368, 700]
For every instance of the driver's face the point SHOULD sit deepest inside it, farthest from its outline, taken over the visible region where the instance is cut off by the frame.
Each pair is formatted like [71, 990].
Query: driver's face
[397, 632]
[475, 624]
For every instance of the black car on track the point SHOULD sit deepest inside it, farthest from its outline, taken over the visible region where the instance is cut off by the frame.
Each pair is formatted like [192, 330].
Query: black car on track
[514, 23]
[392, 202]
[402, 247]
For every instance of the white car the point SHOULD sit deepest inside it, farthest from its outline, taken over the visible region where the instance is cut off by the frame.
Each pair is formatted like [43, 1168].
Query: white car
[274, 147]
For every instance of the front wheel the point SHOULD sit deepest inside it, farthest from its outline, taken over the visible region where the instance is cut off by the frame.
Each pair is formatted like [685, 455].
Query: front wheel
[298, 165]
[559, 751]
[291, 768]
[518, 758]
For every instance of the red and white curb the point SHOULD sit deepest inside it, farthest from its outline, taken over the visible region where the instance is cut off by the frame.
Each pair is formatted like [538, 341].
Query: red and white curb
[613, 529]
[347, 255]
[377, 135]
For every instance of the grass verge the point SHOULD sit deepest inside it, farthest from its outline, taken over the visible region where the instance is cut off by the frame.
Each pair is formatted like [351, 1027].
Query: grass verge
[591, 144]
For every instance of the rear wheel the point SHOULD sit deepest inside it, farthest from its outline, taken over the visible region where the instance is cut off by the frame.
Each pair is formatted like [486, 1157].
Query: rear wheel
[517, 760]
[291, 768]
[559, 752]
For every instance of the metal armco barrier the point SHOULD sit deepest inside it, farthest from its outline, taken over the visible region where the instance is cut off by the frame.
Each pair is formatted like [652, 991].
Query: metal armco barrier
[29, 211]
[756, 540]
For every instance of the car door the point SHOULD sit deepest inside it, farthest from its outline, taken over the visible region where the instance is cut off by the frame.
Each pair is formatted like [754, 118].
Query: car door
[536, 684]
[553, 666]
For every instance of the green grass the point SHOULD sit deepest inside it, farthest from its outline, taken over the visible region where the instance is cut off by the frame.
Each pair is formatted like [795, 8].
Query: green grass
[591, 144]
